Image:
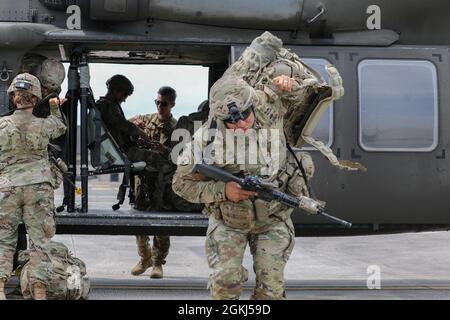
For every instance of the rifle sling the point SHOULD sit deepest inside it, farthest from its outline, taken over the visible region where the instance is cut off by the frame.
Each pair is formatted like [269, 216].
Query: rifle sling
[302, 170]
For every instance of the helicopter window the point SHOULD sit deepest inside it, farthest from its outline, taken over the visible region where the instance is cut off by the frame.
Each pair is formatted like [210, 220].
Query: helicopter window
[324, 129]
[398, 108]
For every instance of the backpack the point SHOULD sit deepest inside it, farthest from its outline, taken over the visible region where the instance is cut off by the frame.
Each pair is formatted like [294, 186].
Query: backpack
[68, 279]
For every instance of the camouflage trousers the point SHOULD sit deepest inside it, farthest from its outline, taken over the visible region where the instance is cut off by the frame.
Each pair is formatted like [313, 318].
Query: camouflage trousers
[160, 249]
[153, 194]
[270, 246]
[32, 205]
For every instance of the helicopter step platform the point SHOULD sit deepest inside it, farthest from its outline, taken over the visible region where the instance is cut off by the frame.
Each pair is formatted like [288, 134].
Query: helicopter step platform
[131, 222]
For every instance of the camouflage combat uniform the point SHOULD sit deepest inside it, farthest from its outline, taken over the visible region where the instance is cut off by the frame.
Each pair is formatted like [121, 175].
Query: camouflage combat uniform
[265, 226]
[148, 197]
[147, 186]
[26, 188]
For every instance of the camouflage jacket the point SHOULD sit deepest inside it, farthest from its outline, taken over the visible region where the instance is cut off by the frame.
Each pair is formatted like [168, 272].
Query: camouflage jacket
[23, 147]
[120, 128]
[158, 130]
[278, 169]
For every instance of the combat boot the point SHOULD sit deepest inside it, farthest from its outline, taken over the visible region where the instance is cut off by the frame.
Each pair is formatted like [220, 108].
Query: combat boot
[157, 271]
[2, 290]
[40, 291]
[144, 263]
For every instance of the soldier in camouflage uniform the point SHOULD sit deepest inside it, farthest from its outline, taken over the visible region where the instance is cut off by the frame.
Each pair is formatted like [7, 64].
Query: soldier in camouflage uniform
[150, 189]
[154, 191]
[26, 181]
[267, 85]
[235, 218]
[283, 87]
[50, 74]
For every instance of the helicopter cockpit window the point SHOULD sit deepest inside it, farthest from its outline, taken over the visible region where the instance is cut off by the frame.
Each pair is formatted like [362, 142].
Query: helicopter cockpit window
[398, 105]
[324, 129]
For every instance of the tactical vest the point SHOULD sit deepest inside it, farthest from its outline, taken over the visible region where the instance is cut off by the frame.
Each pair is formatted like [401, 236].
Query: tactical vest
[285, 177]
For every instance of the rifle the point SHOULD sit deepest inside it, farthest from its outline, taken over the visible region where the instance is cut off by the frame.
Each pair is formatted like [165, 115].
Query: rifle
[267, 192]
[53, 155]
[153, 145]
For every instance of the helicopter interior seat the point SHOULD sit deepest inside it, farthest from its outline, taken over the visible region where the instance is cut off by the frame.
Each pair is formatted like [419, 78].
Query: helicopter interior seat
[107, 158]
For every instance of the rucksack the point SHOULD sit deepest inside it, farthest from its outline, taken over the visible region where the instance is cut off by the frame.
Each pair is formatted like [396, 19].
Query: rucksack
[68, 279]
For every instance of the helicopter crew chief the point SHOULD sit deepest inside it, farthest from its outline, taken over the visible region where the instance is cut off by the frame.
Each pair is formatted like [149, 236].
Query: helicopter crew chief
[124, 132]
[26, 180]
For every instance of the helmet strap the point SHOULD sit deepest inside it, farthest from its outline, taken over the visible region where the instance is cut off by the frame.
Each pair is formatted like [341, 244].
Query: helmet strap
[25, 108]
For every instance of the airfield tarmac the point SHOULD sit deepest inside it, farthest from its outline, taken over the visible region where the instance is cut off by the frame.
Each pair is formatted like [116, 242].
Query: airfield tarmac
[411, 266]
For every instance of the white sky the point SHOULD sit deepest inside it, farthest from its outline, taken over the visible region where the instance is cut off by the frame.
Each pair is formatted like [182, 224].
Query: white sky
[190, 82]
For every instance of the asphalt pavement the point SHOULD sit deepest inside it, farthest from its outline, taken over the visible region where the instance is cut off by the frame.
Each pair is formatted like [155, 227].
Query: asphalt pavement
[400, 266]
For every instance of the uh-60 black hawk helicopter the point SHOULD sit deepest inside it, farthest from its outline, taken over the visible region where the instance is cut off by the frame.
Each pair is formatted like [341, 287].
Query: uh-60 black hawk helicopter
[393, 57]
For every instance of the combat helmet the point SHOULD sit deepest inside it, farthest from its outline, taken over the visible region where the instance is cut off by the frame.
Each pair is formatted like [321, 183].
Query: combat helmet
[231, 98]
[120, 82]
[32, 64]
[26, 82]
[52, 74]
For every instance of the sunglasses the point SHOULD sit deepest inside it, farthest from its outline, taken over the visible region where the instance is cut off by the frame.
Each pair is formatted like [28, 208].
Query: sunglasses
[236, 115]
[162, 103]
